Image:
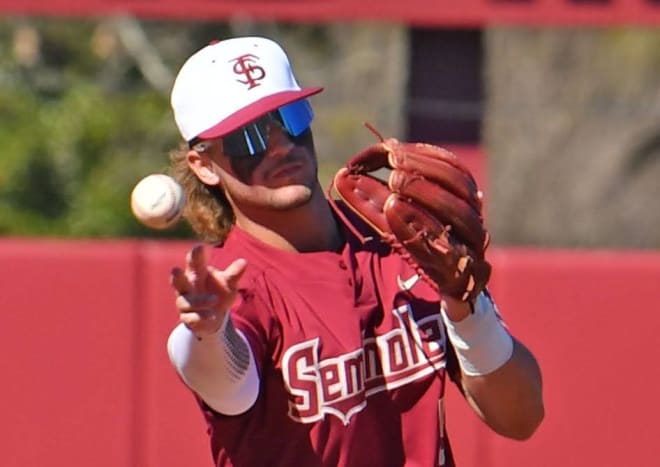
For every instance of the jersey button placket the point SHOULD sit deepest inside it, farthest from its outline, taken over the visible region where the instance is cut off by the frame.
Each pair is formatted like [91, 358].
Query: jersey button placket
[344, 267]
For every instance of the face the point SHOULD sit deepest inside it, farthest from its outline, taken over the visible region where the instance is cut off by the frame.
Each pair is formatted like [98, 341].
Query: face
[281, 178]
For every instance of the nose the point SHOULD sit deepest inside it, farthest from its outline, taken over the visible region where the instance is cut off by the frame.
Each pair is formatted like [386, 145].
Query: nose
[279, 142]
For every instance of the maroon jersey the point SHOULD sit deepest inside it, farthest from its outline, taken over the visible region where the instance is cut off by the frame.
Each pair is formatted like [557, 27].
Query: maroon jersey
[351, 353]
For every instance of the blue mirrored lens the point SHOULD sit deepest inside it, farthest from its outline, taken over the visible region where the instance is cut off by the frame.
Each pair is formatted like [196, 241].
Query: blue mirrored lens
[252, 139]
[296, 117]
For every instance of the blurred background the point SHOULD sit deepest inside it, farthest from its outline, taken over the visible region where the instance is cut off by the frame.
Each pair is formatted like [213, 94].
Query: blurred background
[554, 105]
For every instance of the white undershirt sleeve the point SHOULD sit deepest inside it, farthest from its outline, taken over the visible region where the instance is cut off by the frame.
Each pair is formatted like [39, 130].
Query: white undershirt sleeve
[220, 368]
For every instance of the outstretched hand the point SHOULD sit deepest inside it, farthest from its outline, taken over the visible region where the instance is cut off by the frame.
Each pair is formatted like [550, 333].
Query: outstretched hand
[205, 293]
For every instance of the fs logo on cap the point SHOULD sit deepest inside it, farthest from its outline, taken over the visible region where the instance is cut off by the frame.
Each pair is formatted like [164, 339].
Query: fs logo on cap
[246, 65]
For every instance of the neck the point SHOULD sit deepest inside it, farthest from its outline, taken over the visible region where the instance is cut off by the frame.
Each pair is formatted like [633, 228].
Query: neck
[311, 227]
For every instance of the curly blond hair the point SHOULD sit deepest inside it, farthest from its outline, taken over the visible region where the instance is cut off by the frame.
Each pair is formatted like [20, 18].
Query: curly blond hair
[207, 210]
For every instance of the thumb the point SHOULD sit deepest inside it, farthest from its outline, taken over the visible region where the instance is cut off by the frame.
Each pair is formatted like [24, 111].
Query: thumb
[231, 276]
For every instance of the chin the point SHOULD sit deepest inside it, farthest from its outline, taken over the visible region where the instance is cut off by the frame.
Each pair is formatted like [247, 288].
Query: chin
[291, 197]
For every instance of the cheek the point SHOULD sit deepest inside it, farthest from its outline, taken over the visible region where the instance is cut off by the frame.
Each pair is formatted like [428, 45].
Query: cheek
[243, 167]
[305, 140]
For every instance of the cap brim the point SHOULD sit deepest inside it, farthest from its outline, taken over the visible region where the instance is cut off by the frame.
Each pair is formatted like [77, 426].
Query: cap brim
[255, 110]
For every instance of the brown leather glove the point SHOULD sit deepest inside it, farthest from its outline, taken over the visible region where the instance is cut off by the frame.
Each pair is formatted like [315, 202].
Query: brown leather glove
[428, 209]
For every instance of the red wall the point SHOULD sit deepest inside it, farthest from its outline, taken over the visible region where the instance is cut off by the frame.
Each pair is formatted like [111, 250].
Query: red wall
[86, 380]
[420, 12]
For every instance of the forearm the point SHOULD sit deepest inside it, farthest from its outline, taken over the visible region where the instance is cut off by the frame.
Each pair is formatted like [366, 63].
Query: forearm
[220, 368]
[499, 376]
[509, 399]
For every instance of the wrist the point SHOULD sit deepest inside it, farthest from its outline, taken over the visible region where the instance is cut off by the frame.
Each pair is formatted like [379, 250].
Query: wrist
[214, 327]
[456, 310]
[481, 342]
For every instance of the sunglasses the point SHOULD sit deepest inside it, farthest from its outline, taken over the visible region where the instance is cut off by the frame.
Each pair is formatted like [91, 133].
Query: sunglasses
[252, 139]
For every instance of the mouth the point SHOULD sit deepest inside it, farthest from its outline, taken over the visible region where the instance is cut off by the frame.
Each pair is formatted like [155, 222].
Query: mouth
[286, 169]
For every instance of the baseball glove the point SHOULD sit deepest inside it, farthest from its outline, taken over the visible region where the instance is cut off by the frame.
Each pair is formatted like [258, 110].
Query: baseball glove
[429, 210]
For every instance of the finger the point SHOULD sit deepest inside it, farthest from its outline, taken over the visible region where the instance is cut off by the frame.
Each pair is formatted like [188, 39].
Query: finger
[229, 278]
[196, 265]
[234, 272]
[195, 302]
[179, 281]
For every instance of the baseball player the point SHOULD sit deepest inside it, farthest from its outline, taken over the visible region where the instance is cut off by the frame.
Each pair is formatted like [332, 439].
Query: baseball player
[306, 338]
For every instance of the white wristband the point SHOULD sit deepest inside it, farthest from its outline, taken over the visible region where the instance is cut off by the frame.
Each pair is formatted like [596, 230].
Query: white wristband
[481, 342]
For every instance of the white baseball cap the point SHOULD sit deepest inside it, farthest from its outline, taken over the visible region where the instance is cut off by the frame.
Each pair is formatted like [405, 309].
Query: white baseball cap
[229, 83]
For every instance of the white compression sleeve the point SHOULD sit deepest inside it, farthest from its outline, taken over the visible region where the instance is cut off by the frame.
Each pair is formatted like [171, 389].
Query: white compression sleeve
[481, 341]
[220, 368]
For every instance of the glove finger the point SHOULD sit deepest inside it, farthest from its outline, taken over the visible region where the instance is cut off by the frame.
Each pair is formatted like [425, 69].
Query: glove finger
[450, 265]
[429, 244]
[370, 159]
[466, 222]
[423, 235]
[438, 165]
[364, 195]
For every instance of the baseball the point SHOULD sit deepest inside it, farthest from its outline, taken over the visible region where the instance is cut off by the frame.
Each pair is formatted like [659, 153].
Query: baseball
[157, 201]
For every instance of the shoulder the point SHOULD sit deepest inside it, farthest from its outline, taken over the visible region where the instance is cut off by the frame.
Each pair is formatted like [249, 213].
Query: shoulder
[238, 244]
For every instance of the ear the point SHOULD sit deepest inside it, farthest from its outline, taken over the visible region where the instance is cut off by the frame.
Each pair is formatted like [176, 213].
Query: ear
[202, 165]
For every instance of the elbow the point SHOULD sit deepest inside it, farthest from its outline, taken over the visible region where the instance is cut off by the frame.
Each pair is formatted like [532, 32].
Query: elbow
[522, 428]
[532, 425]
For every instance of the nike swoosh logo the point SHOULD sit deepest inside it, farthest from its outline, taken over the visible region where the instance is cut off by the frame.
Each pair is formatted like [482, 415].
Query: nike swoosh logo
[408, 283]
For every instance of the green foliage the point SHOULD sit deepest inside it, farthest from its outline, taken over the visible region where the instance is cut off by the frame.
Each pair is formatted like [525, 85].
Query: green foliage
[78, 130]
[84, 111]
